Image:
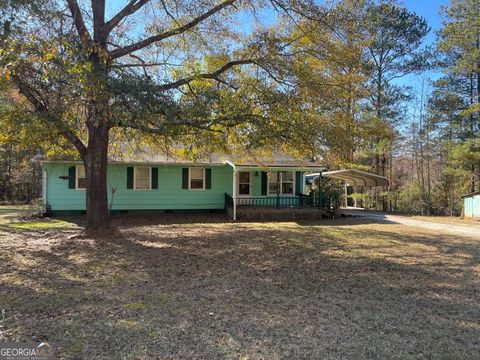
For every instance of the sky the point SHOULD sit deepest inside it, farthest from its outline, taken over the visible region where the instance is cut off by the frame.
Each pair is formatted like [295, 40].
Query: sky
[429, 9]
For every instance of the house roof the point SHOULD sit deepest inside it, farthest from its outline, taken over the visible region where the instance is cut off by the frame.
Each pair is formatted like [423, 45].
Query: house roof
[153, 157]
[356, 177]
[274, 160]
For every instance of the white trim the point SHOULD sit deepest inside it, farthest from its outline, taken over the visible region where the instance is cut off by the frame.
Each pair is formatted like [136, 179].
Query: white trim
[190, 178]
[250, 190]
[280, 183]
[135, 178]
[76, 177]
[234, 193]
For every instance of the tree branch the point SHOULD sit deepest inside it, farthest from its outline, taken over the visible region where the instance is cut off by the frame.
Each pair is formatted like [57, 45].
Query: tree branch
[160, 131]
[177, 31]
[213, 75]
[78, 21]
[129, 9]
[40, 108]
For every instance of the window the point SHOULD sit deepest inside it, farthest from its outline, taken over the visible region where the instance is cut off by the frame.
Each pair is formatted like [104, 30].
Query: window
[80, 178]
[243, 183]
[142, 178]
[285, 179]
[287, 182]
[272, 183]
[197, 179]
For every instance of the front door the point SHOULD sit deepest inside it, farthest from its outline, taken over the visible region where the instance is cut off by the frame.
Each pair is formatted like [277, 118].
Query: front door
[244, 183]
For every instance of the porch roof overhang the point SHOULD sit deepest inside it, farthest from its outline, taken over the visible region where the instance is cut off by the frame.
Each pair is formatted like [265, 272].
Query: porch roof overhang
[285, 166]
[354, 177]
[276, 168]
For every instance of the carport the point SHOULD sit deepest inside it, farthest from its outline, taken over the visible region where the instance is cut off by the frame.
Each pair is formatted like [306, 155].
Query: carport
[353, 178]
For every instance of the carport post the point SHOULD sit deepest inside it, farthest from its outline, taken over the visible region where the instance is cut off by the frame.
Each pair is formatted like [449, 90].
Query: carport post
[346, 194]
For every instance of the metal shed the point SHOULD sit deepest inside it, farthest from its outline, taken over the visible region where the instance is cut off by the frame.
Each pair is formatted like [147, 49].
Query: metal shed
[471, 205]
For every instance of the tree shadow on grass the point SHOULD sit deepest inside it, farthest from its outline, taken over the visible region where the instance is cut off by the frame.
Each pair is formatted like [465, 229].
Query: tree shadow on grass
[134, 220]
[235, 290]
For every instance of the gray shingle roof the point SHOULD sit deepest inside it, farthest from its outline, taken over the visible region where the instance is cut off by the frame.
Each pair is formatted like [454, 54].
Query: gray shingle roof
[149, 156]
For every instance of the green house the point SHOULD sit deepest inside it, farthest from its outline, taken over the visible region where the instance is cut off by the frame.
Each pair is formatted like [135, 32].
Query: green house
[167, 184]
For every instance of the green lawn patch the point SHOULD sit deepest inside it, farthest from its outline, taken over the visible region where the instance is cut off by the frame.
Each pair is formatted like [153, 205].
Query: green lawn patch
[17, 218]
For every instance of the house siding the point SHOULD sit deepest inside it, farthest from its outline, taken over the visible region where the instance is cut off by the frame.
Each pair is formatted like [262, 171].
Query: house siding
[168, 196]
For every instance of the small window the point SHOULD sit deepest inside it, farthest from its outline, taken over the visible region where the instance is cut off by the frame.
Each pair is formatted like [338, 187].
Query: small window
[142, 179]
[244, 183]
[272, 183]
[197, 179]
[287, 182]
[80, 178]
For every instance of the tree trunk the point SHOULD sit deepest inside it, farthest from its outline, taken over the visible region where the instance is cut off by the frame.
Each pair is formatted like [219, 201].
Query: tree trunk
[472, 130]
[96, 172]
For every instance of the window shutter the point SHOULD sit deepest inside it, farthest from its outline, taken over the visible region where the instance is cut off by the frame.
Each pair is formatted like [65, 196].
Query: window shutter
[208, 178]
[71, 177]
[298, 183]
[130, 177]
[264, 183]
[154, 178]
[184, 178]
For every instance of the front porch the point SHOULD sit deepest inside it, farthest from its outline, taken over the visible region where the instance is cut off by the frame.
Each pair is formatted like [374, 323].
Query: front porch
[274, 192]
[279, 208]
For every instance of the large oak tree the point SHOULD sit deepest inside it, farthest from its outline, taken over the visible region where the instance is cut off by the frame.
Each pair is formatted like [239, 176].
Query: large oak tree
[181, 70]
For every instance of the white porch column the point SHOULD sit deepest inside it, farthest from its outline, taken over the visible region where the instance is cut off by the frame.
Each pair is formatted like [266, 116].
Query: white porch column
[234, 194]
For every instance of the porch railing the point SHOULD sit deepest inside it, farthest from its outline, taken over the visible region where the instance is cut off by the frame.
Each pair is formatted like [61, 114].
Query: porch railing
[313, 200]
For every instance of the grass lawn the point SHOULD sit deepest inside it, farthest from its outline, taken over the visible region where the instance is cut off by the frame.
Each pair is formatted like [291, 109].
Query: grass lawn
[203, 287]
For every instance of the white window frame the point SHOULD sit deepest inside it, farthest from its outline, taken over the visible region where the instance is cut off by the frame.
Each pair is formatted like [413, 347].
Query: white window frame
[250, 187]
[280, 183]
[135, 178]
[77, 177]
[190, 178]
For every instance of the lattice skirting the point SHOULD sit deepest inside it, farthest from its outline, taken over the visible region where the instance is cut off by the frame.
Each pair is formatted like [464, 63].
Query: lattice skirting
[273, 214]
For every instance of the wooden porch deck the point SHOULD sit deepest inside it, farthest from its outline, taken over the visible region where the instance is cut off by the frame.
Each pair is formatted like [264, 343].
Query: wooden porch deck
[278, 208]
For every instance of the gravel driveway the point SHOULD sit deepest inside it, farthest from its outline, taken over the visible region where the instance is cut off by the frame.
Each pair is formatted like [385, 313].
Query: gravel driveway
[442, 228]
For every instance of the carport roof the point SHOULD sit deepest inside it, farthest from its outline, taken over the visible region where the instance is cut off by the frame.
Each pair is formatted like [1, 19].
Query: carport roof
[354, 177]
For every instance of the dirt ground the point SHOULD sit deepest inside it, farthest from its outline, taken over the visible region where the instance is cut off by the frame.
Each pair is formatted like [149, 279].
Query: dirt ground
[201, 287]
[441, 225]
